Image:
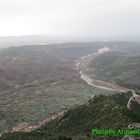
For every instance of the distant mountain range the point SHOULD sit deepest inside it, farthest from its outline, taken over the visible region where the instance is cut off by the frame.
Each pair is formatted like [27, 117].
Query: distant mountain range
[28, 40]
[7, 41]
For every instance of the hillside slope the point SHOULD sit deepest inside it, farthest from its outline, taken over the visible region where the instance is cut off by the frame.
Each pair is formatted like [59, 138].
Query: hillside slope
[36, 81]
[102, 112]
[117, 67]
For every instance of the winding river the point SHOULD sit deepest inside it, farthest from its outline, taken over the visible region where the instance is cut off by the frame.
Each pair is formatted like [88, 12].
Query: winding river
[81, 65]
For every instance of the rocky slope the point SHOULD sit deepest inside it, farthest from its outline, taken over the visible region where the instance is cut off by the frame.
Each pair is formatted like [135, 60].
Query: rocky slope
[102, 112]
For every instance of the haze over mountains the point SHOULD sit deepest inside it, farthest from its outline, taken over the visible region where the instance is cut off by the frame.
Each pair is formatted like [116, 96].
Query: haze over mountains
[67, 66]
[8, 41]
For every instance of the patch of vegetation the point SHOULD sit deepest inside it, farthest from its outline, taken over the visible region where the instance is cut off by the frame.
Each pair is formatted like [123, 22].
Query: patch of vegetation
[39, 80]
[103, 112]
[117, 67]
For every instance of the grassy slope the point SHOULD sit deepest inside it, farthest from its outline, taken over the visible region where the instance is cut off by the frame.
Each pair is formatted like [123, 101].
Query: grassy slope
[117, 67]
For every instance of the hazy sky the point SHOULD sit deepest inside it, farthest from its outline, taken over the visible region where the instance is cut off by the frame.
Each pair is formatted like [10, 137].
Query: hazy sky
[70, 17]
